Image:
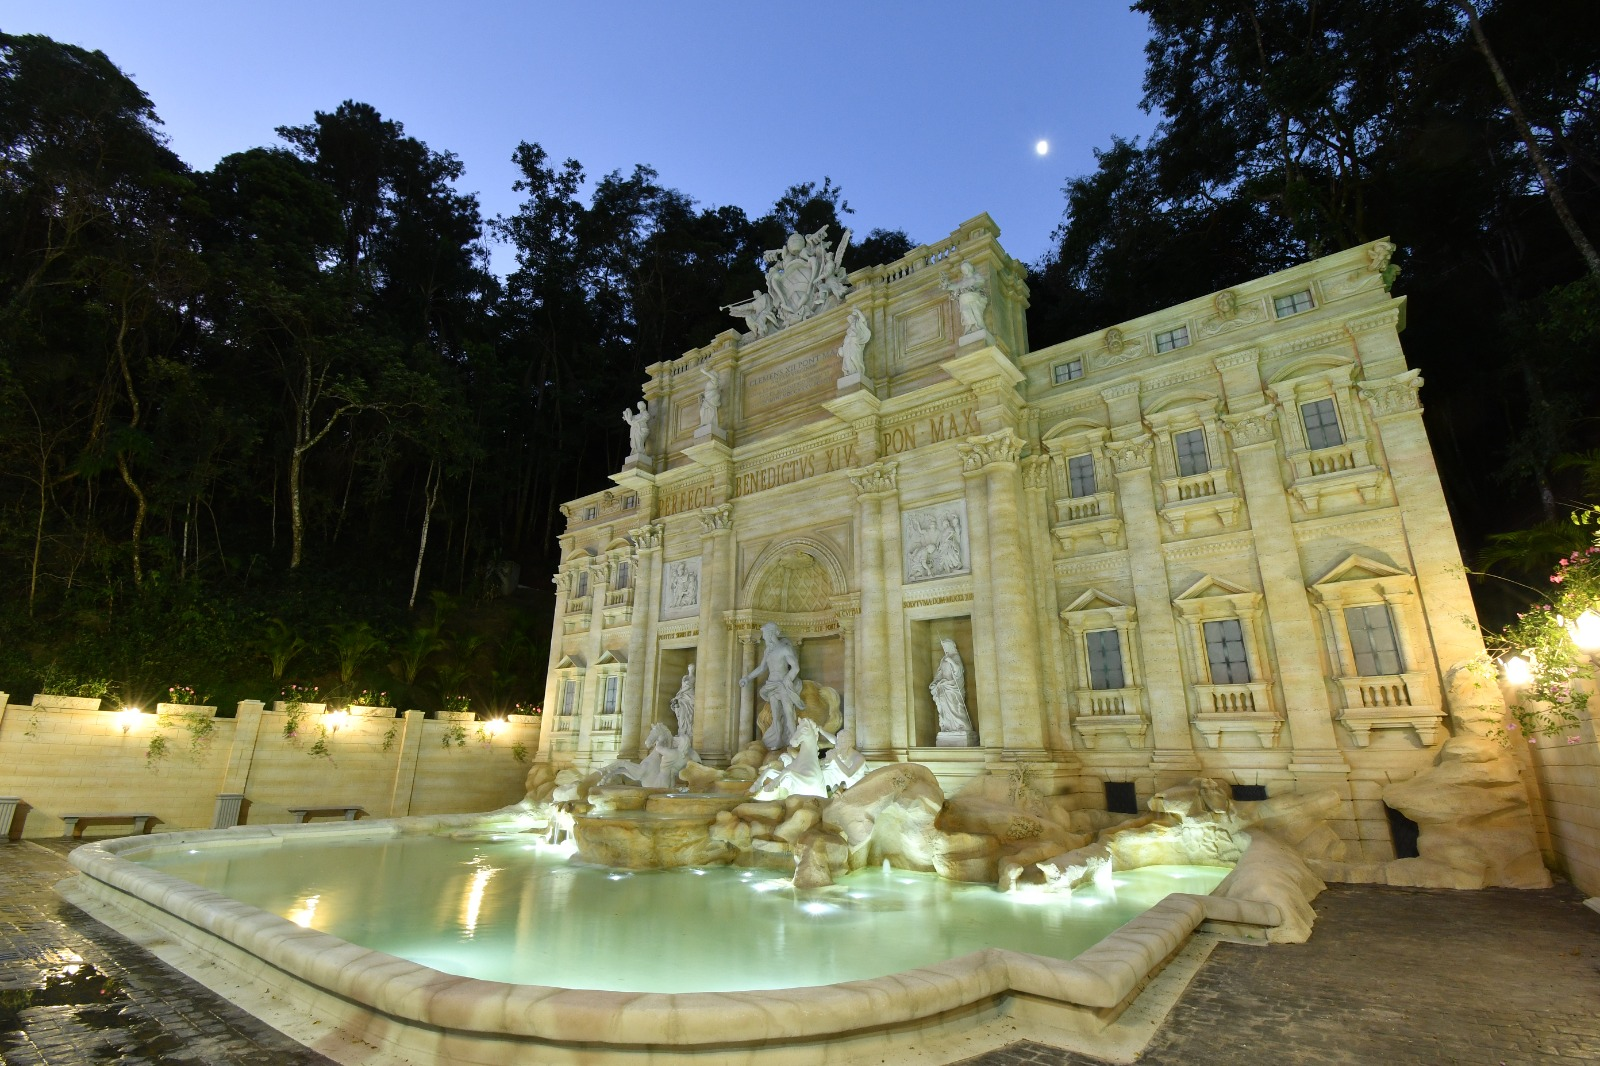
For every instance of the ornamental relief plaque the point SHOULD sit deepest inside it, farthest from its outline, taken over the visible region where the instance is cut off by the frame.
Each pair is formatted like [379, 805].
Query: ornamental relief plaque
[935, 541]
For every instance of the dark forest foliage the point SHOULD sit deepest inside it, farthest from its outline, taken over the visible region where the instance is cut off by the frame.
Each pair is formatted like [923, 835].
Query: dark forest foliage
[244, 410]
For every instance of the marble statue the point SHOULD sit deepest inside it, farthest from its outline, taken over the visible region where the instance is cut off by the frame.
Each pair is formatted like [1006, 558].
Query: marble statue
[844, 765]
[660, 768]
[710, 399]
[804, 278]
[638, 427]
[683, 703]
[780, 661]
[949, 691]
[757, 312]
[856, 335]
[799, 770]
[972, 298]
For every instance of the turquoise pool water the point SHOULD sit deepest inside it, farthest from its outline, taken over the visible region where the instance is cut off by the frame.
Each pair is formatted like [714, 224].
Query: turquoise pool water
[510, 910]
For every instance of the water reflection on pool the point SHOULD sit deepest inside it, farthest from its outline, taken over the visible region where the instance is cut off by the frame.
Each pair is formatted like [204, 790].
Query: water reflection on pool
[509, 910]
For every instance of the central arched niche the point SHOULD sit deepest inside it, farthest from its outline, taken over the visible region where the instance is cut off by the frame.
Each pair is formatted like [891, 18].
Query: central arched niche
[794, 584]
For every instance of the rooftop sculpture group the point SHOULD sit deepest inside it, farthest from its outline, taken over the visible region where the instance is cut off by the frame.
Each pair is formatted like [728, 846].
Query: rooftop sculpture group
[804, 278]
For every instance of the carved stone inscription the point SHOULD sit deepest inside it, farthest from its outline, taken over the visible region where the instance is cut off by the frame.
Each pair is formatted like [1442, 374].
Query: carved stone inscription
[688, 498]
[792, 468]
[935, 540]
[680, 588]
[944, 425]
[803, 376]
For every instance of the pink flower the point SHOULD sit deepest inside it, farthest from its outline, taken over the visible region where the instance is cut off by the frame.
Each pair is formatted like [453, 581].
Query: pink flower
[1556, 579]
[1572, 740]
[1533, 740]
[1563, 562]
[1593, 549]
[1512, 726]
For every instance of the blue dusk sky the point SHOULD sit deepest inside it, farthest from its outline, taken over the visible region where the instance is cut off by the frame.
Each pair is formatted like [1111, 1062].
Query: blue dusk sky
[925, 113]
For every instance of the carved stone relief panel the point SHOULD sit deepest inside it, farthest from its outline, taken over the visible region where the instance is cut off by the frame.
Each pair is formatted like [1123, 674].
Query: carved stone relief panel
[680, 588]
[935, 541]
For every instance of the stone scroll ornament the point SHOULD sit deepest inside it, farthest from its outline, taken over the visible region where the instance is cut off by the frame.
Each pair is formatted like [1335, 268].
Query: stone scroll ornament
[804, 278]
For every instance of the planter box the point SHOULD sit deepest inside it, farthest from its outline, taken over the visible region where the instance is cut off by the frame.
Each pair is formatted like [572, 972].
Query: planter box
[66, 703]
[524, 720]
[279, 707]
[360, 711]
[457, 716]
[186, 708]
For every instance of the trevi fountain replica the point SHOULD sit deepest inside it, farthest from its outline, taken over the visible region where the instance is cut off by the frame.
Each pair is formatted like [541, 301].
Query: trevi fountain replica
[912, 693]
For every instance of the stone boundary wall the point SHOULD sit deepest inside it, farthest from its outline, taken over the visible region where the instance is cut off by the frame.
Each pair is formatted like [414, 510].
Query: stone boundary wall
[72, 760]
[1568, 776]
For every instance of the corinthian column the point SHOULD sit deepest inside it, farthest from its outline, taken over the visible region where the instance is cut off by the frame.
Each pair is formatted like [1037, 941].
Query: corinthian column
[875, 485]
[993, 459]
[713, 720]
[640, 679]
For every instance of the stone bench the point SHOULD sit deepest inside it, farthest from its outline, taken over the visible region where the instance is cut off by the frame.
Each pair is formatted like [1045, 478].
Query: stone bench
[351, 813]
[72, 824]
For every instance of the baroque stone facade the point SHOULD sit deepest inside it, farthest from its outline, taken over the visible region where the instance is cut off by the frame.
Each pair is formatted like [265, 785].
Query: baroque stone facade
[1211, 540]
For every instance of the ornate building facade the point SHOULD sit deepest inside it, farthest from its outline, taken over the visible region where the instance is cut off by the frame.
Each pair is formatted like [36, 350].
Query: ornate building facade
[1209, 540]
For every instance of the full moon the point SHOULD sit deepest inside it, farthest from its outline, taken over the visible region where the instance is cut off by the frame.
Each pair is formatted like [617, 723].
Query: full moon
[1042, 148]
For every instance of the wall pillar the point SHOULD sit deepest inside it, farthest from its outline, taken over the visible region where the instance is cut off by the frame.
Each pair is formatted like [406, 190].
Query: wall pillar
[405, 770]
[714, 722]
[552, 685]
[993, 459]
[876, 728]
[749, 645]
[639, 683]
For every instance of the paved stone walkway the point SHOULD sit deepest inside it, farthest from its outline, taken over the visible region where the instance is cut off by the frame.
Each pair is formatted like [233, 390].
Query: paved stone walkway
[1391, 976]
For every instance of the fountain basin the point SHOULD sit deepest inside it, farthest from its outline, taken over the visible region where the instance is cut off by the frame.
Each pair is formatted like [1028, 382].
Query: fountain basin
[422, 1012]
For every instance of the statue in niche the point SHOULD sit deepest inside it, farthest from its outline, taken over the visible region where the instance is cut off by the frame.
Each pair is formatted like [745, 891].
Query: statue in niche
[949, 691]
[683, 703]
[780, 661]
[711, 398]
[638, 427]
[972, 298]
[852, 353]
[803, 278]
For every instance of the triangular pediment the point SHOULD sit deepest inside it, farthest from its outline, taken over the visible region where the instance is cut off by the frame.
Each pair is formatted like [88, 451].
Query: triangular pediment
[1092, 600]
[1355, 567]
[1210, 586]
[570, 662]
[609, 658]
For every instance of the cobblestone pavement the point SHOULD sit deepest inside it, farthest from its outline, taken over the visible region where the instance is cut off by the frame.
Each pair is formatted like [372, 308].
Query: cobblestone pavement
[72, 993]
[1391, 975]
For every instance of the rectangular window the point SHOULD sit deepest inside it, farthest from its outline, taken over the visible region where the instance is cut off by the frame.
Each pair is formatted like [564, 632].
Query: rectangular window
[589, 512]
[1065, 372]
[1172, 338]
[613, 684]
[1191, 448]
[583, 584]
[1105, 658]
[1293, 304]
[1372, 640]
[1225, 652]
[569, 697]
[1322, 424]
[630, 502]
[622, 575]
[1080, 475]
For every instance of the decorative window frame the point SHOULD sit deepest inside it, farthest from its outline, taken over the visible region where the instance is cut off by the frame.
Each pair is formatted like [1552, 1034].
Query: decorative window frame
[580, 605]
[1246, 708]
[1407, 700]
[1081, 523]
[1337, 474]
[569, 669]
[1099, 713]
[1194, 504]
[608, 665]
[621, 559]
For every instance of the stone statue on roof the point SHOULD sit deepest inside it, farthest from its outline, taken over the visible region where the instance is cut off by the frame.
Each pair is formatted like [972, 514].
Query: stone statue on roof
[804, 278]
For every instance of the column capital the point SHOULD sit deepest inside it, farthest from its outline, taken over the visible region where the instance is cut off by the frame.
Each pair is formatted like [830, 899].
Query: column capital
[991, 448]
[1253, 427]
[718, 519]
[1393, 396]
[1131, 454]
[646, 537]
[879, 479]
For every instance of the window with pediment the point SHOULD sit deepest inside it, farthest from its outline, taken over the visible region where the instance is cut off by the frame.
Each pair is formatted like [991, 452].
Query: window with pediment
[1325, 437]
[1224, 628]
[608, 674]
[1109, 699]
[1373, 625]
[1084, 509]
[1195, 480]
